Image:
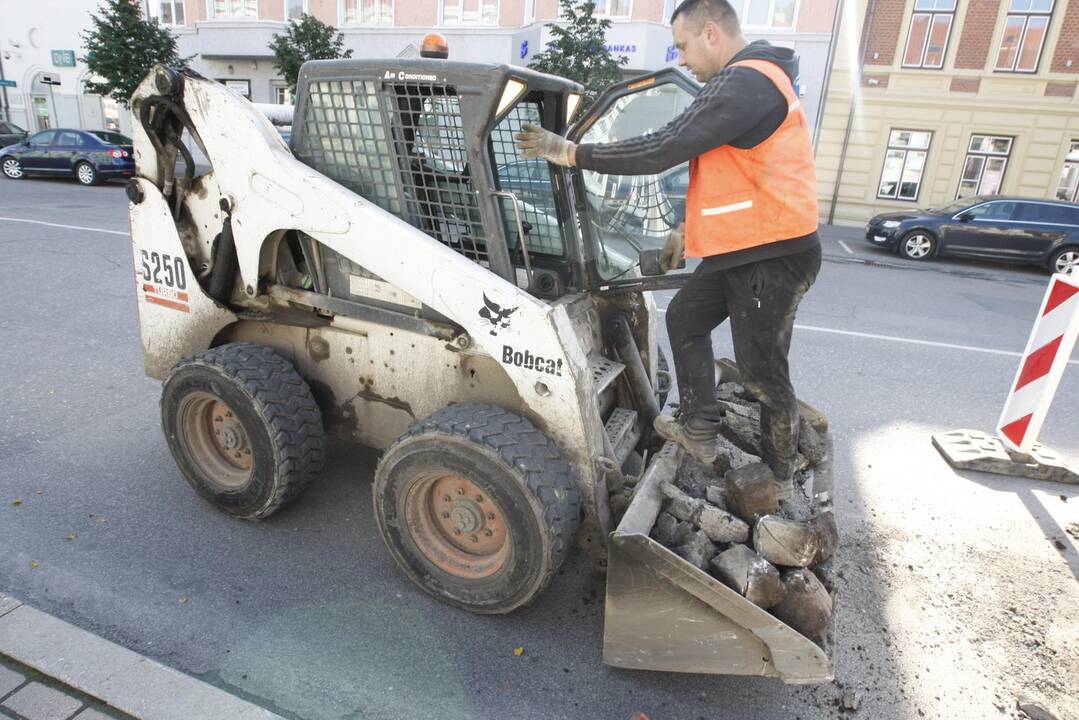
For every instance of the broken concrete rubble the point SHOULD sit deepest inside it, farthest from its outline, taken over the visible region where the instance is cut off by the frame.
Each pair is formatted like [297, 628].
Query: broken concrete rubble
[732, 457]
[716, 495]
[671, 531]
[750, 575]
[806, 605]
[810, 443]
[679, 504]
[751, 491]
[698, 550]
[720, 526]
[794, 543]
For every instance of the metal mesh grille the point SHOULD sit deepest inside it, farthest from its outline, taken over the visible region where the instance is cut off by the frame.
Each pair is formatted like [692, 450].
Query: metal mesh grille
[428, 136]
[530, 181]
[344, 138]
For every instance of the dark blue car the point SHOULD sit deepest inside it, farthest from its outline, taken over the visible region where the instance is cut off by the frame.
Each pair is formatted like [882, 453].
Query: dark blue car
[1017, 230]
[90, 156]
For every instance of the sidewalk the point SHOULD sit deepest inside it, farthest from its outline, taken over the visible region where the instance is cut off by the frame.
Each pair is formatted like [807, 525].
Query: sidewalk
[52, 670]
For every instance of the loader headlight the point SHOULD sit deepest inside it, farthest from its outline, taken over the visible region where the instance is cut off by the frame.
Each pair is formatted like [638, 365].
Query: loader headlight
[573, 101]
[513, 90]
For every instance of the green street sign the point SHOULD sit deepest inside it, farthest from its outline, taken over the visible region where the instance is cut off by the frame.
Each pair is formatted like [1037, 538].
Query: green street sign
[63, 58]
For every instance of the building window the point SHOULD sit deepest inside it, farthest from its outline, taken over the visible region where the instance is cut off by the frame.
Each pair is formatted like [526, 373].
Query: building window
[774, 14]
[470, 12]
[1068, 187]
[367, 12]
[614, 9]
[983, 170]
[295, 9]
[234, 8]
[903, 164]
[282, 95]
[167, 12]
[1024, 35]
[930, 28]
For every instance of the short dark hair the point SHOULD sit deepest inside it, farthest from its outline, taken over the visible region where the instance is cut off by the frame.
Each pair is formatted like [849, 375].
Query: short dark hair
[698, 12]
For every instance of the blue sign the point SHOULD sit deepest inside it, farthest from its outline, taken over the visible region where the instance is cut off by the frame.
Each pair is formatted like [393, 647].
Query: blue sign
[672, 53]
[63, 58]
[7, 83]
[620, 48]
[524, 49]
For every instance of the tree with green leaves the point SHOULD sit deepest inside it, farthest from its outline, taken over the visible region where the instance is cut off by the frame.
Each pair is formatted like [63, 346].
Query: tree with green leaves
[305, 39]
[577, 50]
[121, 47]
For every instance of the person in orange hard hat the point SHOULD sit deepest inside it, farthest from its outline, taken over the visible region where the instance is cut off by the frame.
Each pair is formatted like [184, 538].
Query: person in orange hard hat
[751, 215]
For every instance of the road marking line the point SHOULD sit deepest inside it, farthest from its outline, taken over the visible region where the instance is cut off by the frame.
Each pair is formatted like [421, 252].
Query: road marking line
[849, 251]
[68, 227]
[910, 341]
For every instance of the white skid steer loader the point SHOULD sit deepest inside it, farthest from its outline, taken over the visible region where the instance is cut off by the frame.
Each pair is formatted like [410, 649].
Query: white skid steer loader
[399, 276]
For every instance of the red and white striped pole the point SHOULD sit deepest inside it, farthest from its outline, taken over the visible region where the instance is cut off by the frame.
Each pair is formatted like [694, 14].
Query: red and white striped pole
[1046, 356]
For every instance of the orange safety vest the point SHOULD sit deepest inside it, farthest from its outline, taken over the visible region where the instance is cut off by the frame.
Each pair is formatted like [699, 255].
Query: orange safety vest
[738, 199]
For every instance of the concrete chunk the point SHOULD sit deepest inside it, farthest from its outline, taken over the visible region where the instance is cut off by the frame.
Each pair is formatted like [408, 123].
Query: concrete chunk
[806, 606]
[619, 503]
[731, 457]
[697, 550]
[813, 416]
[716, 495]
[827, 535]
[810, 443]
[722, 527]
[790, 543]
[751, 491]
[679, 504]
[748, 574]
[670, 531]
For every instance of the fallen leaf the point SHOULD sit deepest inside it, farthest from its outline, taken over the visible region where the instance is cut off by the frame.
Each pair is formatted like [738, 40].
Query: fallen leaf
[16, 502]
[71, 536]
[34, 564]
[518, 651]
[183, 600]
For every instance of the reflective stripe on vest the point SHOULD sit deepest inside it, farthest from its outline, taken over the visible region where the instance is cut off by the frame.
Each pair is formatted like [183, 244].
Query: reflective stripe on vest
[738, 199]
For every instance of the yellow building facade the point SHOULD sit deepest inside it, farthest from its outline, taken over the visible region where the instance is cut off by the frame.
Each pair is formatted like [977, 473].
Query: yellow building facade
[930, 100]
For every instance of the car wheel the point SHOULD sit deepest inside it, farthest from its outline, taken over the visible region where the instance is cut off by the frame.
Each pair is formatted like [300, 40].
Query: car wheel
[1066, 261]
[918, 245]
[12, 168]
[86, 174]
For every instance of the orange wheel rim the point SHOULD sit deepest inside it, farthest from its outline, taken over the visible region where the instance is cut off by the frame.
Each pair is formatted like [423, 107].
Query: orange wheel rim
[216, 440]
[457, 526]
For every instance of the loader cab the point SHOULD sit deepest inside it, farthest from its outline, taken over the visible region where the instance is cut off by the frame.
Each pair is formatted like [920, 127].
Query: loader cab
[432, 142]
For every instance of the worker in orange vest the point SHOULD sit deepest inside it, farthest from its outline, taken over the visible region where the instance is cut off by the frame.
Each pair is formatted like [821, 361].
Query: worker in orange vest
[751, 216]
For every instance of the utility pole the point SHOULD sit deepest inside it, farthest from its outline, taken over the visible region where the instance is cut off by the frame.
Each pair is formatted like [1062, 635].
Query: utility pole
[7, 105]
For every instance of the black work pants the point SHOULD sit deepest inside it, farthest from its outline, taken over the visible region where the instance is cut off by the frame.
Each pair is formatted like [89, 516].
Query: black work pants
[761, 300]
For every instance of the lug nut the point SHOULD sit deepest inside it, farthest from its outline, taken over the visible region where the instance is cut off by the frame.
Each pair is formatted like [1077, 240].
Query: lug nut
[446, 498]
[445, 516]
[488, 532]
[460, 491]
[456, 531]
[475, 539]
[490, 516]
[479, 498]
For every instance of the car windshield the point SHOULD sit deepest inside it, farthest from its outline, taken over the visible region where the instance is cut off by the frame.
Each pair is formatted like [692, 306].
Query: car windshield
[11, 128]
[957, 206]
[112, 138]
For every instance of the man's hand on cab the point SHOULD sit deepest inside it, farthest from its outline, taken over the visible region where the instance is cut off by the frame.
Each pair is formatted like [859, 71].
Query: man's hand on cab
[673, 254]
[535, 142]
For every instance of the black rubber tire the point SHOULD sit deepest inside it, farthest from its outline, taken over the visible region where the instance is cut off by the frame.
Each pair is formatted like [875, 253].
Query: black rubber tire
[6, 163]
[518, 467]
[279, 416]
[94, 177]
[1052, 267]
[903, 250]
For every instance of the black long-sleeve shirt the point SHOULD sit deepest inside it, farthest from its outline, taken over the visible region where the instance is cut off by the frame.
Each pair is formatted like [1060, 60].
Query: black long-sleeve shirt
[740, 107]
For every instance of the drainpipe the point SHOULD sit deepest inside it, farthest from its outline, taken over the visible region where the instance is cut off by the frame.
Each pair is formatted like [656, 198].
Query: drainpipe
[7, 105]
[850, 116]
[828, 67]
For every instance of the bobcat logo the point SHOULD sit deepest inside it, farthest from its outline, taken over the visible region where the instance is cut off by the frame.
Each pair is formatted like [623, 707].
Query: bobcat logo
[495, 315]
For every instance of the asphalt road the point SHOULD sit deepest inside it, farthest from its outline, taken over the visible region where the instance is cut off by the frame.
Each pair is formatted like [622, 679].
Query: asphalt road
[307, 615]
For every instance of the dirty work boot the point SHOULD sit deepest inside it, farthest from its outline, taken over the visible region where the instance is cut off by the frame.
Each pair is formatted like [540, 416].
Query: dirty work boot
[697, 437]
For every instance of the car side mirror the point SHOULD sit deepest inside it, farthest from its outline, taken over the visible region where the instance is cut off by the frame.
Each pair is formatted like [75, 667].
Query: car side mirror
[965, 217]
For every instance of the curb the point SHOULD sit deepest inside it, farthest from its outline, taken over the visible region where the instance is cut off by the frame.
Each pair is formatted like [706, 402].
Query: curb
[118, 677]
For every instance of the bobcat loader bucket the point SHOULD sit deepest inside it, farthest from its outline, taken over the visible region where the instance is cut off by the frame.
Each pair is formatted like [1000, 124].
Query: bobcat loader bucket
[662, 613]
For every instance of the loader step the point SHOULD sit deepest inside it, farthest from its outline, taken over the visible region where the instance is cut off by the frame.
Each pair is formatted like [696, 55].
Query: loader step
[623, 431]
[604, 371]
